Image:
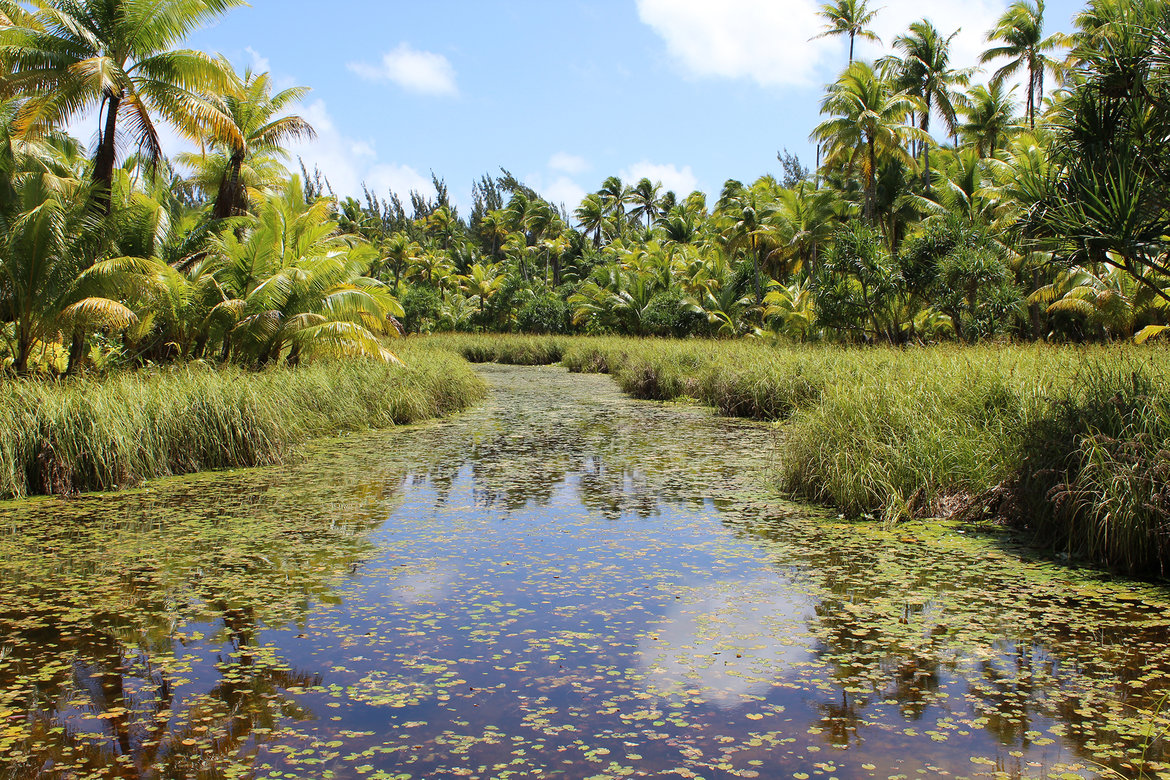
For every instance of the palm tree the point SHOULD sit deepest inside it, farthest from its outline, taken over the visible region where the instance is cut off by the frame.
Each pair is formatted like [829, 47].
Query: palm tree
[812, 214]
[614, 197]
[47, 247]
[1021, 30]
[591, 216]
[924, 71]
[248, 155]
[990, 112]
[644, 197]
[297, 283]
[849, 17]
[867, 126]
[117, 56]
[754, 226]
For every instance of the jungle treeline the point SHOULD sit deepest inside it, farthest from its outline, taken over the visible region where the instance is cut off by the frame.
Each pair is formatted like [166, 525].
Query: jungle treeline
[1024, 196]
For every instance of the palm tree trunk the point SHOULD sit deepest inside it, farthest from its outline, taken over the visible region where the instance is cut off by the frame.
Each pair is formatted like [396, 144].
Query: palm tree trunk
[228, 199]
[76, 346]
[871, 184]
[23, 350]
[103, 162]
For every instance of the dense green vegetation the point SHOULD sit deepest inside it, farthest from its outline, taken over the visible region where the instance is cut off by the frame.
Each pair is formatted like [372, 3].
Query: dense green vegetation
[113, 432]
[947, 204]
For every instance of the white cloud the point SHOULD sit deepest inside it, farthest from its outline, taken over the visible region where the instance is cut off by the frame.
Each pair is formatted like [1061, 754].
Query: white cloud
[568, 163]
[399, 179]
[260, 63]
[424, 72]
[764, 40]
[683, 181]
[772, 42]
[564, 190]
[349, 162]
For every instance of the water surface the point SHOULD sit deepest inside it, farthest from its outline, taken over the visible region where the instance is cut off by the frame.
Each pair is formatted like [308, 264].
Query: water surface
[564, 583]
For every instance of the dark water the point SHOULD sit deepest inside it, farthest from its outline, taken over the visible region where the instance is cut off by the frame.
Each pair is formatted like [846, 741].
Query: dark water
[565, 583]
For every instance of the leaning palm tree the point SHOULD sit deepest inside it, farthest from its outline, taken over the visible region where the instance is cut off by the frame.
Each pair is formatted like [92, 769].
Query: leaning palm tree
[1021, 32]
[868, 125]
[849, 17]
[247, 157]
[70, 57]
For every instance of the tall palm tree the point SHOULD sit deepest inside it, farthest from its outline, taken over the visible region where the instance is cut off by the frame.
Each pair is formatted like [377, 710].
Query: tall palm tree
[755, 227]
[614, 197]
[70, 57]
[644, 198]
[849, 17]
[924, 70]
[256, 139]
[591, 216]
[991, 116]
[1021, 32]
[868, 125]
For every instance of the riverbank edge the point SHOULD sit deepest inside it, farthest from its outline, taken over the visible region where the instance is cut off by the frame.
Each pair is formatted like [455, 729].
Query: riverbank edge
[1066, 446]
[100, 434]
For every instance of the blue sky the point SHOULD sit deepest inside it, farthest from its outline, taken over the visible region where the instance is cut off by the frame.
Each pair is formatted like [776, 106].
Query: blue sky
[562, 93]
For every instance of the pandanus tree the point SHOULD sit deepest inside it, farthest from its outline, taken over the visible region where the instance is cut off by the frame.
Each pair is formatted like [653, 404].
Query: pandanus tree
[867, 126]
[118, 57]
[1020, 33]
[849, 18]
[247, 156]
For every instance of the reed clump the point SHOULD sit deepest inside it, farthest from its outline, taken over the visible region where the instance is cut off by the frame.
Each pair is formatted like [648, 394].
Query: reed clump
[104, 433]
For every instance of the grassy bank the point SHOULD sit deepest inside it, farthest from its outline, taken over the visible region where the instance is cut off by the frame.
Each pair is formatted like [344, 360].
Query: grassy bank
[100, 434]
[1069, 445]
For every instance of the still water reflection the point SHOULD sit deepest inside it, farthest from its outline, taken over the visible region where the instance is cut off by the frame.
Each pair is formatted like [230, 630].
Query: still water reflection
[564, 583]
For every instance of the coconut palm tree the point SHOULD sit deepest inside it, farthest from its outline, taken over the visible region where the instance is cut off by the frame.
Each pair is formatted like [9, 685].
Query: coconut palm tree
[924, 70]
[299, 285]
[70, 57]
[868, 126]
[990, 113]
[248, 156]
[851, 18]
[591, 216]
[644, 198]
[754, 226]
[614, 197]
[1021, 32]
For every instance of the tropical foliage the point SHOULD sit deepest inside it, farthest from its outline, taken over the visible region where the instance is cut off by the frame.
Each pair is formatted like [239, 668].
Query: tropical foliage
[951, 203]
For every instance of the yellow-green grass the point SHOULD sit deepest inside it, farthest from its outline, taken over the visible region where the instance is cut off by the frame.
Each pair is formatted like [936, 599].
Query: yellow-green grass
[105, 433]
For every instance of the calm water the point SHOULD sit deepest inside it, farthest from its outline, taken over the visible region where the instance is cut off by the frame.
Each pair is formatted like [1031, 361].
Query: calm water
[564, 583]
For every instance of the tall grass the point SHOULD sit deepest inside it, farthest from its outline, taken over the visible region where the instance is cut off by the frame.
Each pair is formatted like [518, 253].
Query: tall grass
[1069, 444]
[100, 434]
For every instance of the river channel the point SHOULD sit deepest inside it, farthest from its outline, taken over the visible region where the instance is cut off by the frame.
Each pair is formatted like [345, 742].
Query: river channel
[562, 583]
